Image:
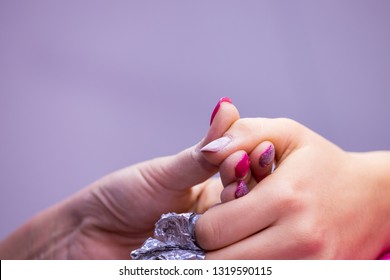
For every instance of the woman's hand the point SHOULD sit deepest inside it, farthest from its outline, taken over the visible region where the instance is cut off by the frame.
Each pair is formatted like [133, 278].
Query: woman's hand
[320, 203]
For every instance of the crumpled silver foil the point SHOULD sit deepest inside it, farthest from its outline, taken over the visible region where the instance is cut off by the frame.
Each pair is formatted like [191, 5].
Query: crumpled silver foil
[174, 239]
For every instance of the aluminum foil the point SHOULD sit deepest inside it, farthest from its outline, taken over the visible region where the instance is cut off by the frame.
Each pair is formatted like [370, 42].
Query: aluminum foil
[174, 239]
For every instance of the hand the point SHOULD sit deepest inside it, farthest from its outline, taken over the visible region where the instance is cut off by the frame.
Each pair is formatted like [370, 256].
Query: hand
[320, 202]
[117, 213]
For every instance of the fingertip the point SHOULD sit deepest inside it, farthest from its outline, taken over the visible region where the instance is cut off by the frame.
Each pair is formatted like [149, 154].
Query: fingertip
[267, 156]
[204, 232]
[228, 193]
[241, 189]
[218, 106]
[234, 167]
[182, 170]
[222, 117]
[262, 160]
[242, 166]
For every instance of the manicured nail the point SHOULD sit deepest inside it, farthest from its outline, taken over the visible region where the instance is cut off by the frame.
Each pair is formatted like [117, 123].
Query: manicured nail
[216, 109]
[242, 166]
[241, 190]
[217, 145]
[267, 157]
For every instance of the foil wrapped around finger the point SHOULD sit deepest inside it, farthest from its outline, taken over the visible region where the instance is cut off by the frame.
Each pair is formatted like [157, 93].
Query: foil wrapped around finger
[174, 239]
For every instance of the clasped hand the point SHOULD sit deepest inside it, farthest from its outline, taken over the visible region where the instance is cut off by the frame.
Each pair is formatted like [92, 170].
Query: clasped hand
[285, 193]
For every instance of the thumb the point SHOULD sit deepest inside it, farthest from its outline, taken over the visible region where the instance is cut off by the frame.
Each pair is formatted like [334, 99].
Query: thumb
[190, 167]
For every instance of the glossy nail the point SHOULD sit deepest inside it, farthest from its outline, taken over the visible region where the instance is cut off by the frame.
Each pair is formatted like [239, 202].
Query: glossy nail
[242, 166]
[216, 109]
[217, 145]
[267, 157]
[242, 189]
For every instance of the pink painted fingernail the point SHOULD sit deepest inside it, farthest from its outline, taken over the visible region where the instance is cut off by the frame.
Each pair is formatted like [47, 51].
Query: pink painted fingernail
[267, 157]
[242, 166]
[217, 145]
[241, 190]
[216, 109]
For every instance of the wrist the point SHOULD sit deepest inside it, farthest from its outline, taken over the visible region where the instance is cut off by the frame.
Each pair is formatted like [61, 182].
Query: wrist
[377, 171]
[381, 169]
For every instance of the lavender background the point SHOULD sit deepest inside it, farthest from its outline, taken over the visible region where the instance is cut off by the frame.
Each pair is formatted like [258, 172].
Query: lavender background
[87, 87]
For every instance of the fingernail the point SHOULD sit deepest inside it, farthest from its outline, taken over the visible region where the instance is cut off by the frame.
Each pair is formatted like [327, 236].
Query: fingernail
[217, 145]
[216, 109]
[241, 190]
[267, 156]
[242, 166]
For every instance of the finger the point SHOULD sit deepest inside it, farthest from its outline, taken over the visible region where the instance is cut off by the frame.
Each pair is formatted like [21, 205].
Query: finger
[208, 195]
[190, 167]
[262, 159]
[236, 166]
[235, 176]
[229, 192]
[237, 189]
[246, 134]
[230, 222]
[222, 117]
[252, 247]
[272, 244]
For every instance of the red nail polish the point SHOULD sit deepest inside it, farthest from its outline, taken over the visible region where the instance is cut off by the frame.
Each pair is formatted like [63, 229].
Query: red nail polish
[241, 190]
[242, 166]
[223, 99]
[267, 157]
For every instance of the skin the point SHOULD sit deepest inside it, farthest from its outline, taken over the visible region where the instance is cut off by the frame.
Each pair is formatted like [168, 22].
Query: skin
[321, 202]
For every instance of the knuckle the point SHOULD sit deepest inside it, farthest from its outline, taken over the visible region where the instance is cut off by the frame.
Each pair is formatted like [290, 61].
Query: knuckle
[289, 199]
[243, 124]
[288, 122]
[309, 234]
[290, 125]
[310, 241]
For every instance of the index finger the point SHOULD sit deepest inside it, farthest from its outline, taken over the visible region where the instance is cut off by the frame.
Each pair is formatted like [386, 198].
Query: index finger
[235, 220]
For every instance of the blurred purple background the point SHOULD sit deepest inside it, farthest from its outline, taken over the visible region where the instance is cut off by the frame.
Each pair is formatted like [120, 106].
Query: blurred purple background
[88, 87]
